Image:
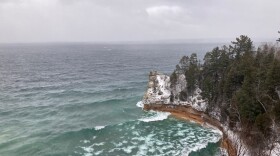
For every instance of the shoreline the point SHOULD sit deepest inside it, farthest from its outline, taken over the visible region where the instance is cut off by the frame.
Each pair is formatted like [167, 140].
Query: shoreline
[190, 114]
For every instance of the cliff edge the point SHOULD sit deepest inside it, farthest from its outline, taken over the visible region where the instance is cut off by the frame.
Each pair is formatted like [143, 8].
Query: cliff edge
[236, 85]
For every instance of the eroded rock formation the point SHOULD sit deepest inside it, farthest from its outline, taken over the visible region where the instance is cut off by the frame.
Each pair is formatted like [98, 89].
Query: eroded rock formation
[160, 91]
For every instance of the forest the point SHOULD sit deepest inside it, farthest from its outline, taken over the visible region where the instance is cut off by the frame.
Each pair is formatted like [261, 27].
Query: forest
[242, 82]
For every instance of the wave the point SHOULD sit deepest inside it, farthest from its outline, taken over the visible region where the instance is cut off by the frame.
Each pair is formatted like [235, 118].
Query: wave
[176, 138]
[99, 127]
[157, 117]
[109, 93]
[203, 143]
[140, 104]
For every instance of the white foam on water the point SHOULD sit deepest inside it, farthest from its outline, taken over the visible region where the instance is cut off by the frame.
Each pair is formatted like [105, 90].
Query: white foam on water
[157, 117]
[140, 104]
[180, 133]
[85, 141]
[125, 142]
[98, 144]
[173, 139]
[88, 154]
[118, 144]
[88, 151]
[203, 142]
[98, 152]
[99, 127]
[128, 149]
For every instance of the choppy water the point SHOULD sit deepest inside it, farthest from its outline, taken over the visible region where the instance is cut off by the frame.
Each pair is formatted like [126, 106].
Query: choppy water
[80, 99]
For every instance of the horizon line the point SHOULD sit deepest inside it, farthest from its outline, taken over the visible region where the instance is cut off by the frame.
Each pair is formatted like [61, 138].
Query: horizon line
[160, 41]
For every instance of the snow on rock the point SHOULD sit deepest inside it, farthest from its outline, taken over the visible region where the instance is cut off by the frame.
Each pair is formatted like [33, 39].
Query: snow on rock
[159, 92]
[275, 151]
[197, 102]
[236, 141]
[179, 86]
[216, 113]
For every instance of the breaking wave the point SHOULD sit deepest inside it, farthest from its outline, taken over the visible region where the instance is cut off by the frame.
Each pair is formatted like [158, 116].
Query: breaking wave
[140, 104]
[156, 117]
[164, 137]
[99, 127]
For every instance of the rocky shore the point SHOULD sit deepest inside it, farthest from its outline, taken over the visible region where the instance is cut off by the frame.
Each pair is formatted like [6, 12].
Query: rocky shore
[190, 114]
[168, 95]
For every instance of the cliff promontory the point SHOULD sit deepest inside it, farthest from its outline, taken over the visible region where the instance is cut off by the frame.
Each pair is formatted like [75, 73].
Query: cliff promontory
[235, 88]
[160, 91]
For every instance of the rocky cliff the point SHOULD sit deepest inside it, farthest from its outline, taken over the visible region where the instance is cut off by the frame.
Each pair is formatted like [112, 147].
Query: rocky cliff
[236, 84]
[160, 91]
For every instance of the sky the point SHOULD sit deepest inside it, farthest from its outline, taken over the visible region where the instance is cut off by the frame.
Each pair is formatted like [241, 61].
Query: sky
[136, 20]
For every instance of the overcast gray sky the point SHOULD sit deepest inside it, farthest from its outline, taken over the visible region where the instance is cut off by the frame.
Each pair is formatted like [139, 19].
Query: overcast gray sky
[136, 20]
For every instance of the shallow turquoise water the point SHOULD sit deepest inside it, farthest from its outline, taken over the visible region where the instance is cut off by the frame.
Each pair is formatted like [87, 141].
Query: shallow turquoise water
[55, 99]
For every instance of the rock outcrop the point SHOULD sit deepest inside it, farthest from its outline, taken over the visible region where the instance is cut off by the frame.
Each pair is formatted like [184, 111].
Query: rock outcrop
[160, 91]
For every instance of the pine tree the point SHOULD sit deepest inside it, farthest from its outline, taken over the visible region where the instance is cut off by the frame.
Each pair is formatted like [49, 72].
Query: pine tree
[192, 73]
[241, 45]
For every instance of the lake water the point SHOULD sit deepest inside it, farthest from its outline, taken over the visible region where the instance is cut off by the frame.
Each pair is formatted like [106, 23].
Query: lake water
[80, 99]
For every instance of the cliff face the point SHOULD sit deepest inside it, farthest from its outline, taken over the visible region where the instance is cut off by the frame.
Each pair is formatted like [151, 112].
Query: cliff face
[241, 88]
[160, 91]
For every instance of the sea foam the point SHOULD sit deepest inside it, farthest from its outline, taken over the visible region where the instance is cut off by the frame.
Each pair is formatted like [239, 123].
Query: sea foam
[203, 143]
[99, 127]
[140, 104]
[157, 117]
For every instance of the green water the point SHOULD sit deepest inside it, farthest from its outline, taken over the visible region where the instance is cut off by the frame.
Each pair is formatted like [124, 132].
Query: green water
[80, 99]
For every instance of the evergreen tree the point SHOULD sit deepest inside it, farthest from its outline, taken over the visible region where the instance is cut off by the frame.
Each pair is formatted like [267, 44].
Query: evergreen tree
[244, 84]
[192, 73]
[241, 45]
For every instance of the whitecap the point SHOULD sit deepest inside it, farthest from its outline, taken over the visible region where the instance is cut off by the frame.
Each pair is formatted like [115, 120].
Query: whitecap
[85, 141]
[99, 127]
[202, 143]
[88, 154]
[128, 149]
[98, 152]
[140, 104]
[118, 144]
[98, 144]
[157, 117]
[89, 150]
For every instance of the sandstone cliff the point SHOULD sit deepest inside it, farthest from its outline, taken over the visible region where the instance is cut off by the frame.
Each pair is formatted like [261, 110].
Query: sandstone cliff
[160, 91]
